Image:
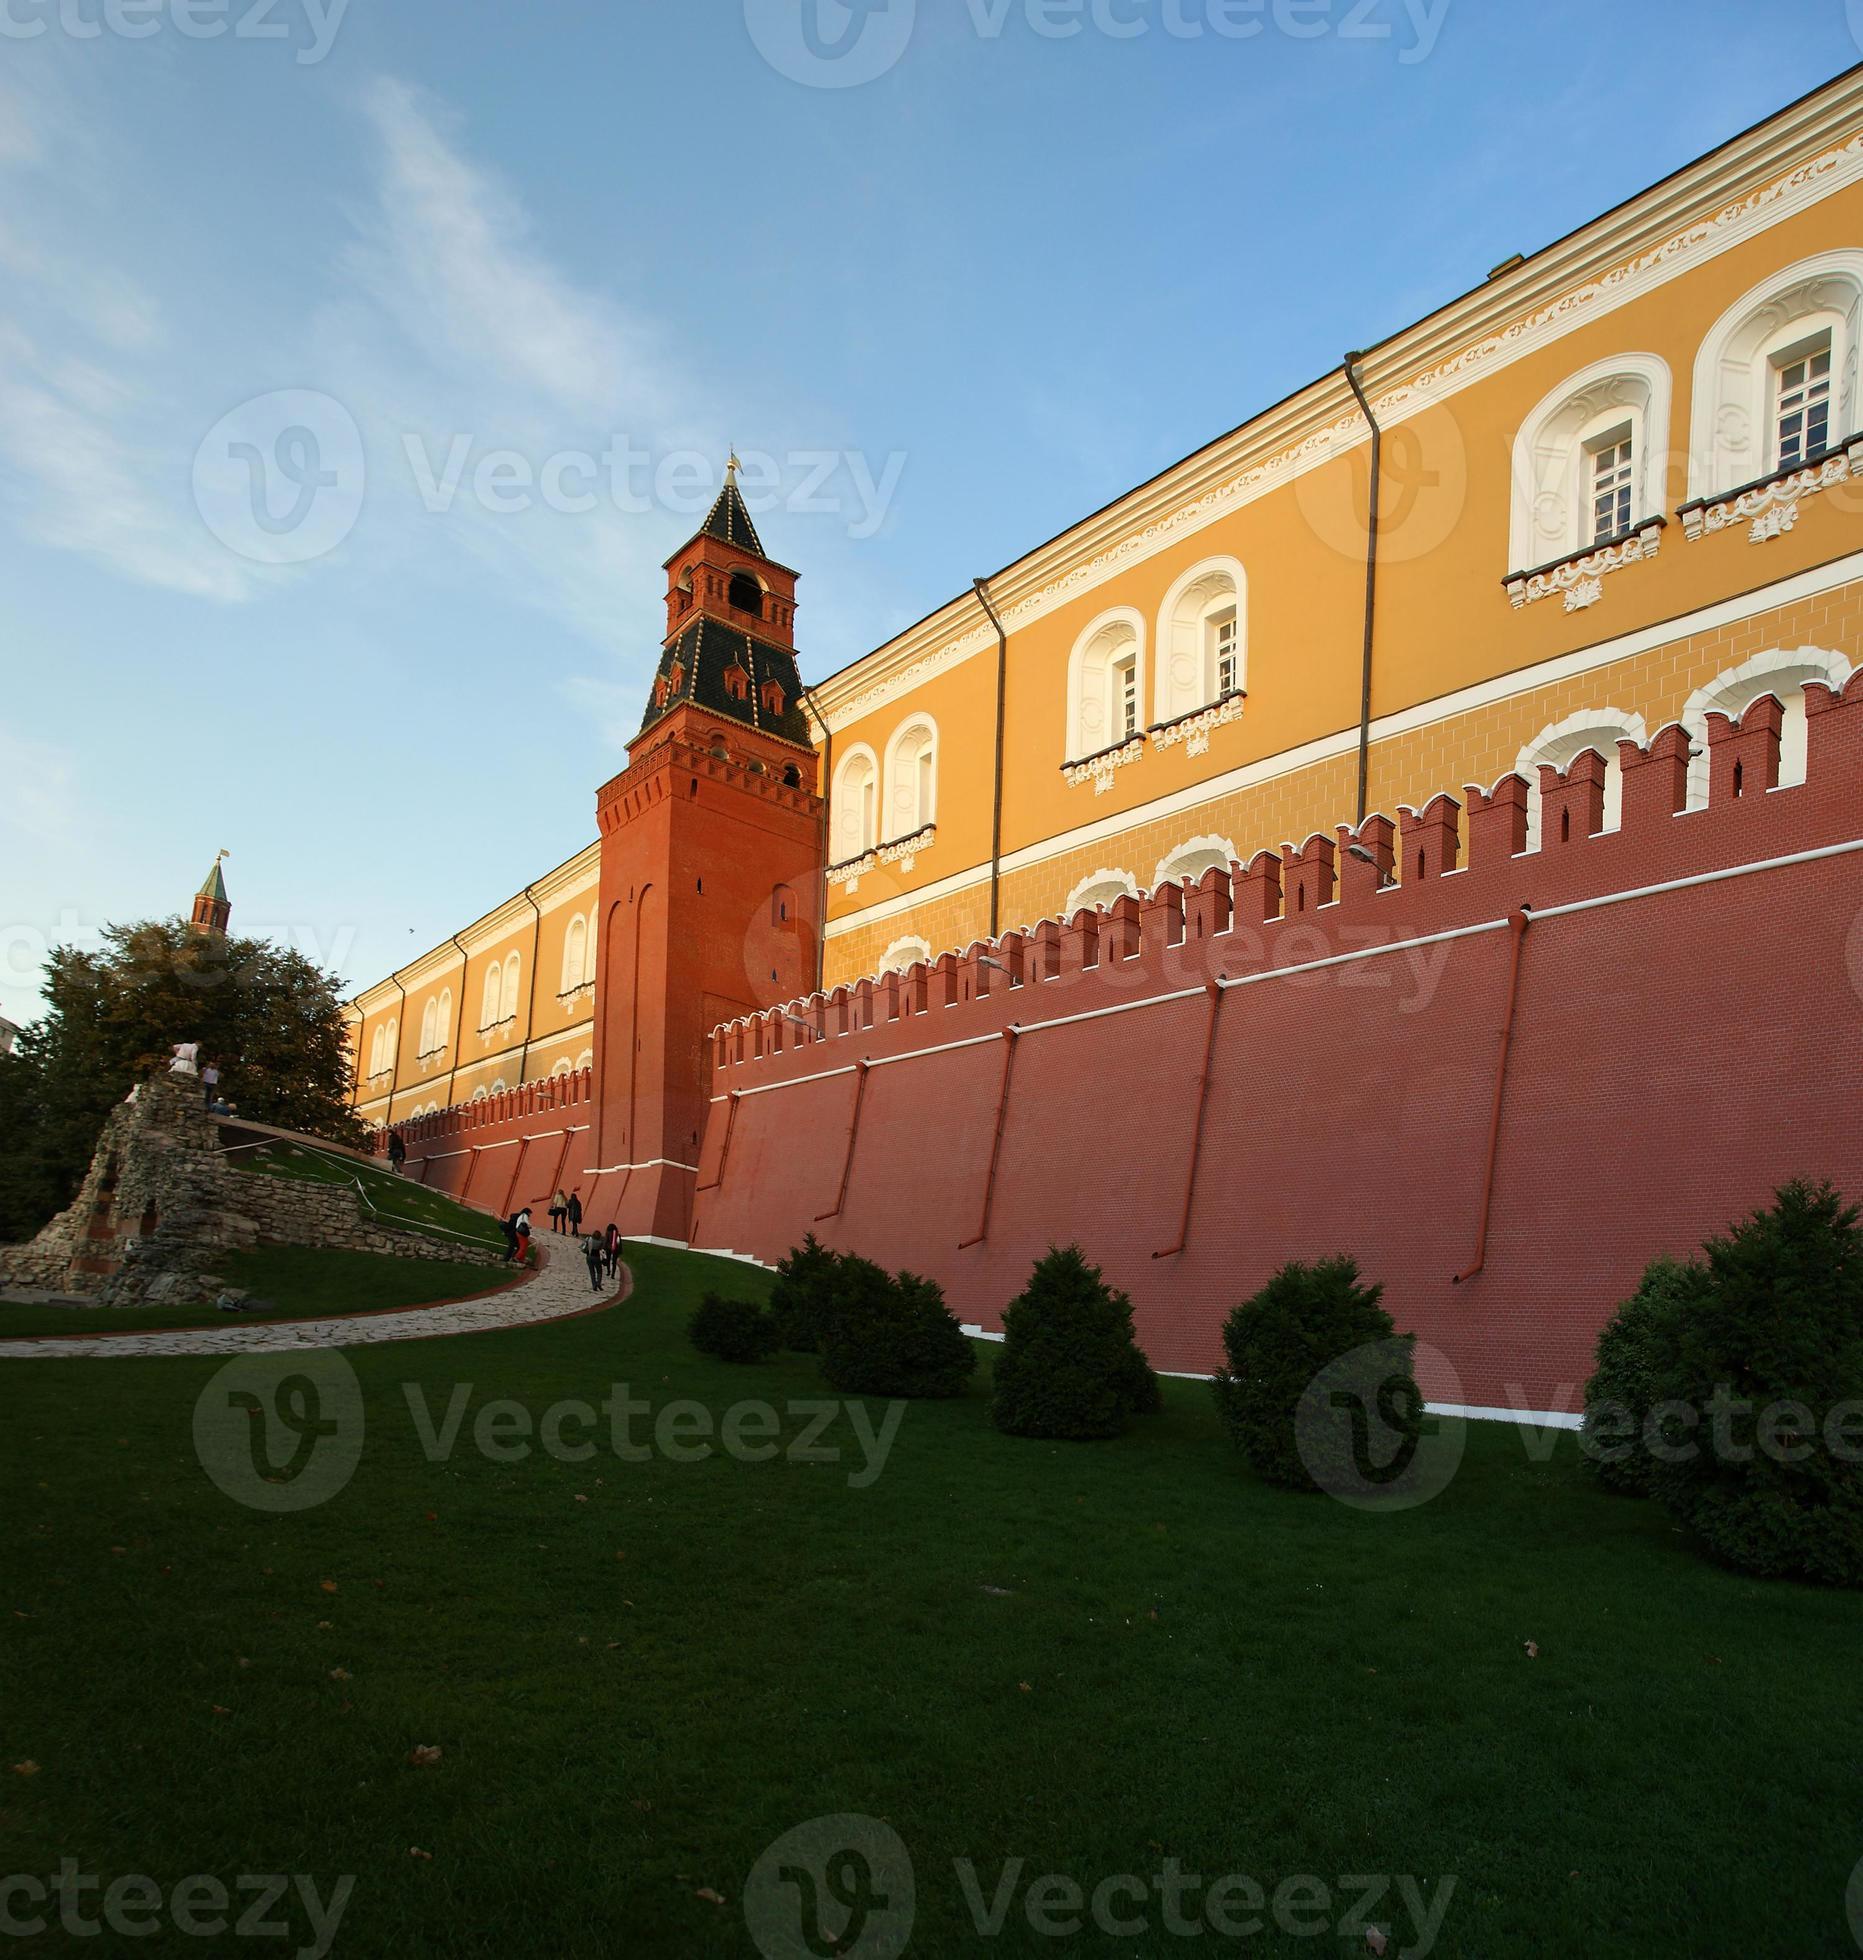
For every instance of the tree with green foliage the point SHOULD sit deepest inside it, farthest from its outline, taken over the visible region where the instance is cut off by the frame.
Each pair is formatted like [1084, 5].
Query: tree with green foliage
[1757, 1394]
[888, 1335]
[732, 1329]
[801, 1296]
[1314, 1363]
[1631, 1352]
[1070, 1366]
[272, 1018]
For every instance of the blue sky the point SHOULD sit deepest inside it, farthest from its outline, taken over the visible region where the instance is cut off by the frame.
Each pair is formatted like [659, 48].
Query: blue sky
[956, 306]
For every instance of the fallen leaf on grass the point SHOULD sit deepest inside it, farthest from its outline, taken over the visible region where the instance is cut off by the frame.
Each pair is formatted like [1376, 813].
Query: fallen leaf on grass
[1024, 1686]
[339, 1674]
[424, 1753]
[710, 1897]
[998, 1592]
[1375, 1939]
[414, 1851]
[1533, 1649]
[27, 1768]
[326, 1585]
[218, 1710]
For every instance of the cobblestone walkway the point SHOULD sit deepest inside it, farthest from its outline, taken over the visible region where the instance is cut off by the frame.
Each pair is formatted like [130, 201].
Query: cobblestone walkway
[558, 1291]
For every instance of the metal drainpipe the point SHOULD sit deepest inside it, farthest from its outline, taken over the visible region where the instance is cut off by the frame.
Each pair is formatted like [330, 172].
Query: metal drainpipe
[459, 1026]
[530, 1006]
[1371, 581]
[996, 809]
[821, 893]
[394, 1066]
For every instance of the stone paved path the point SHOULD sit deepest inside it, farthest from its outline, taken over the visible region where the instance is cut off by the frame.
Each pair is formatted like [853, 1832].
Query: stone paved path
[557, 1292]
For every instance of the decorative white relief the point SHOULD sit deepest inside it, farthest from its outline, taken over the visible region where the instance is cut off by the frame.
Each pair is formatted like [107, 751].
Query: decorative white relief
[1195, 730]
[1098, 769]
[1586, 571]
[1773, 505]
[902, 851]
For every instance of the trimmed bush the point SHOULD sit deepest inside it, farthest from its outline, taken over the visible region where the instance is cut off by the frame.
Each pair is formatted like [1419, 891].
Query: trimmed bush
[1070, 1366]
[803, 1295]
[1768, 1359]
[1631, 1353]
[893, 1337]
[1311, 1358]
[733, 1330]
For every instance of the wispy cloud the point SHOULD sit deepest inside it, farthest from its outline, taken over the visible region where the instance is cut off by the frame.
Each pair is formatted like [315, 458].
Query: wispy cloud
[39, 801]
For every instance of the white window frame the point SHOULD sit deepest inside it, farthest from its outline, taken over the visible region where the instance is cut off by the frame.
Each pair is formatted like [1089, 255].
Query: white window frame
[1192, 859]
[1094, 722]
[1823, 336]
[1590, 728]
[1550, 510]
[911, 778]
[1186, 660]
[856, 804]
[578, 937]
[904, 953]
[1782, 671]
[1100, 891]
[1733, 439]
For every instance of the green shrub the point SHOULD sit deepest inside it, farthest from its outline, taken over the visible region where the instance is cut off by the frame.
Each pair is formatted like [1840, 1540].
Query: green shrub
[1769, 1358]
[1070, 1366]
[802, 1296]
[732, 1329]
[894, 1337]
[1312, 1358]
[1631, 1353]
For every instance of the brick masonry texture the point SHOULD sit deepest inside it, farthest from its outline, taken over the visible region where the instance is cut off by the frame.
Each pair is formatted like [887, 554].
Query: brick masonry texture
[1675, 1055]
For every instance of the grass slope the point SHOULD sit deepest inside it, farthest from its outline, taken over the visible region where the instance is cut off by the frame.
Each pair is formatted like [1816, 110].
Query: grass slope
[1087, 1657]
[394, 1200]
[297, 1282]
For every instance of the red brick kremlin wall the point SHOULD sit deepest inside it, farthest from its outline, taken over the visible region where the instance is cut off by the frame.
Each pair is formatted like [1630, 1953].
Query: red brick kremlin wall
[1677, 1041]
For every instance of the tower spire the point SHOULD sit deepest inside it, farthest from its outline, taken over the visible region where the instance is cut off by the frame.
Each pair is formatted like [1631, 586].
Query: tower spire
[212, 907]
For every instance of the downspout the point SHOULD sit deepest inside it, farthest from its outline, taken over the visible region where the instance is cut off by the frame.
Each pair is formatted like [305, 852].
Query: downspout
[996, 807]
[1371, 582]
[459, 1025]
[821, 891]
[1517, 925]
[530, 1006]
[394, 1067]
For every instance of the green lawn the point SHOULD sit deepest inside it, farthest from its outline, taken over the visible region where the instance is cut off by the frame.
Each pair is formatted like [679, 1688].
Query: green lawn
[395, 1200]
[1090, 1658]
[296, 1281]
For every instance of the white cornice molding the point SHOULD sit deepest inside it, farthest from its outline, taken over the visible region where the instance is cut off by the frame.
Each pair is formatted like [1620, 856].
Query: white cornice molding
[1757, 181]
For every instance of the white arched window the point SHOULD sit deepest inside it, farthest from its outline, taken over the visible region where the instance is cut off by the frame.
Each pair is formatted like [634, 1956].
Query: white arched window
[1591, 728]
[856, 804]
[443, 1018]
[429, 1022]
[1099, 890]
[903, 953]
[562, 1067]
[1776, 378]
[586, 1059]
[514, 972]
[478, 1095]
[378, 1043]
[1783, 672]
[575, 953]
[1202, 639]
[492, 1009]
[1589, 461]
[912, 778]
[1106, 684]
[1193, 858]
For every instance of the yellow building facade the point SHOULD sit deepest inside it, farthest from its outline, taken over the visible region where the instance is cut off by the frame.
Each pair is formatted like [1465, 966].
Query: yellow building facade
[1617, 486]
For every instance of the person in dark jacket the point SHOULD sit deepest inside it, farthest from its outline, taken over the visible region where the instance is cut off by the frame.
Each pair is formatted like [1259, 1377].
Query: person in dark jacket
[511, 1238]
[611, 1246]
[397, 1151]
[575, 1212]
[592, 1252]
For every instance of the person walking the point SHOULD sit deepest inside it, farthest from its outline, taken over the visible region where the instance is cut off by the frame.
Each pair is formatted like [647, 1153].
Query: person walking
[397, 1151]
[592, 1252]
[511, 1237]
[210, 1082]
[575, 1212]
[559, 1211]
[611, 1247]
[522, 1222]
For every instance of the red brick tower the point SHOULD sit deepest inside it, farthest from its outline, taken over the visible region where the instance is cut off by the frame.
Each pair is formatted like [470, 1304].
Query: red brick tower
[711, 854]
[212, 907]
